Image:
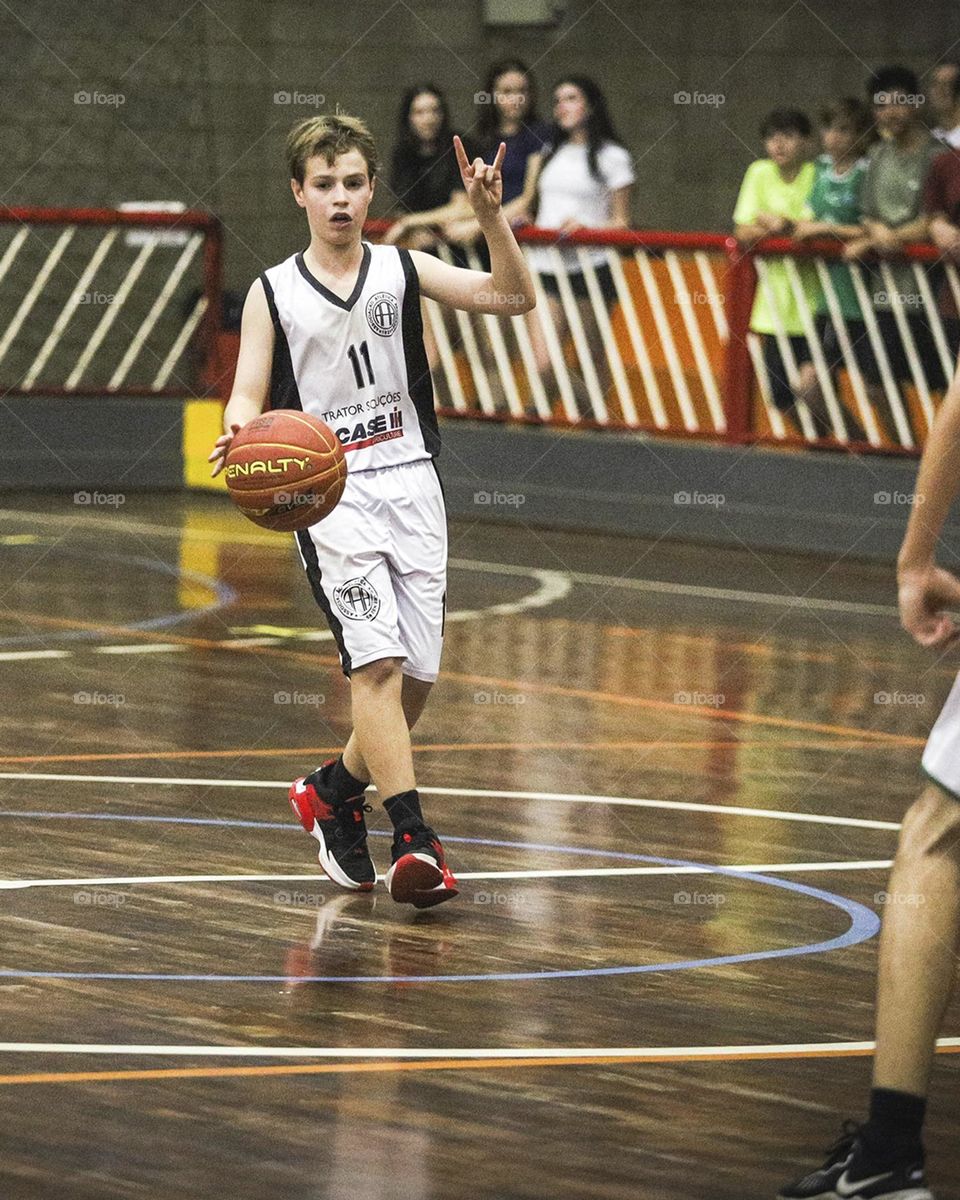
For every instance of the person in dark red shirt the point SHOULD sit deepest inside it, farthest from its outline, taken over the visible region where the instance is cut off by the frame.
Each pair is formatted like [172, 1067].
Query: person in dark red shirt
[941, 203]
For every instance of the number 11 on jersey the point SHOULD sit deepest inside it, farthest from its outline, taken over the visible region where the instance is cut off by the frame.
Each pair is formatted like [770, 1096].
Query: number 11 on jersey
[355, 363]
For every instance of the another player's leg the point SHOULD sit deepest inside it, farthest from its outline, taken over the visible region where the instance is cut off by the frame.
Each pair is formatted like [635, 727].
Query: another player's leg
[918, 947]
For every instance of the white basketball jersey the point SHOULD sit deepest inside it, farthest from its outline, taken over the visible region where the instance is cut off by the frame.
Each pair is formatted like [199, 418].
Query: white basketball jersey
[357, 364]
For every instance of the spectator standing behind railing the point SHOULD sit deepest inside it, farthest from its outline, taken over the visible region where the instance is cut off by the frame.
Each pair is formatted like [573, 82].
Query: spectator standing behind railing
[508, 113]
[585, 182]
[892, 195]
[833, 211]
[773, 198]
[945, 102]
[941, 203]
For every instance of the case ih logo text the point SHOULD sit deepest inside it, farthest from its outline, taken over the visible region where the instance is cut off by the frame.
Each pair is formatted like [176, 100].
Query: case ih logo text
[380, 428]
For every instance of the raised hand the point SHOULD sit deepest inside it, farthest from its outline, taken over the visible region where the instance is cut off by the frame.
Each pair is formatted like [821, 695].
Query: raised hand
[482, 181]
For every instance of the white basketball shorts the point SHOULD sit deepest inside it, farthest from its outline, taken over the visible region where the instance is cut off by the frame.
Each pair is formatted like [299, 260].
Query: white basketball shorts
[941, 758]
[378, 568]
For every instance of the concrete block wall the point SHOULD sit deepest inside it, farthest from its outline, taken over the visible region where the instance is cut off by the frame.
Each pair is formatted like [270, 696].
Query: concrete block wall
[198, 120]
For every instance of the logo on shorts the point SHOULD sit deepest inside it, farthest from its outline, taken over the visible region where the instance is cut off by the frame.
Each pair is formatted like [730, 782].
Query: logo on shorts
[383, 313]
[357, 599]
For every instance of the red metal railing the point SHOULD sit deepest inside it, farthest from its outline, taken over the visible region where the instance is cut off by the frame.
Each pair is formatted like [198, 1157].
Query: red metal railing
[43, 340]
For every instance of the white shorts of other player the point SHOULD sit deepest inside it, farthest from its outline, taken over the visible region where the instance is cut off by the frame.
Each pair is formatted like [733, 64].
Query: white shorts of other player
[941, 758]
[378, 568]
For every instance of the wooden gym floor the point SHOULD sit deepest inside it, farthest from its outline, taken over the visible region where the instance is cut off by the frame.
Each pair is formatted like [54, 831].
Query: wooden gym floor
[604, 1012]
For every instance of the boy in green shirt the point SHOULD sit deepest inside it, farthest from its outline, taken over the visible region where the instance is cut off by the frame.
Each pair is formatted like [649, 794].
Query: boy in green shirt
[773, 197]
[833, 211]
[891, 203]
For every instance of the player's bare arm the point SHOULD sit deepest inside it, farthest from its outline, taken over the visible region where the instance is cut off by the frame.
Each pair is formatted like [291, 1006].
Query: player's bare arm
[507, 288]
[251, 383]
[927, 590]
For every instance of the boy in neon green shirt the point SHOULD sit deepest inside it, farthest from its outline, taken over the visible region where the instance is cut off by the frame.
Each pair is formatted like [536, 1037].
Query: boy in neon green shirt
[773, 197]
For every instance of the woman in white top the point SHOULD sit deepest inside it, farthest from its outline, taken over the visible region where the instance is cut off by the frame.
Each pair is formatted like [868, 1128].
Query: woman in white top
[584, 182]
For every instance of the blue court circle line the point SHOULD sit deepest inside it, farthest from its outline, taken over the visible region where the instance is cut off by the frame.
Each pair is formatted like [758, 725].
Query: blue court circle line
[864, 923]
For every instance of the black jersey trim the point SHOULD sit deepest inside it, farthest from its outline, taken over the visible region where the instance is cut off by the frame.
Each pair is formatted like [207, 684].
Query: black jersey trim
[308, 552]
[325, 292]
[419, 382]
[284, 392]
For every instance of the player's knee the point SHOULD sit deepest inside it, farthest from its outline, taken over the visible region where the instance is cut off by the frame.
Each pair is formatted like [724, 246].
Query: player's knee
[931, 826]
[377, 674]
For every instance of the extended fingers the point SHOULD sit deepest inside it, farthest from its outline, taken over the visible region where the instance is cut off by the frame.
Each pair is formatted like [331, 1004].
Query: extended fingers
[460, 153]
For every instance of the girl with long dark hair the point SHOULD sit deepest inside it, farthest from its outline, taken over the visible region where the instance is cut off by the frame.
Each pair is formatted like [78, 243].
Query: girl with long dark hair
[584, 182]
[425, 179]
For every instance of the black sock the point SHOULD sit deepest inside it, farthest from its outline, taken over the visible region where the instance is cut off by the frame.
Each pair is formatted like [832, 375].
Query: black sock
[344, 785]
[894, 1128]
[403, 809]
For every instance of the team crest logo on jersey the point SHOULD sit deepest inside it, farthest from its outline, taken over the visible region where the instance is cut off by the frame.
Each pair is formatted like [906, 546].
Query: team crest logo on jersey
[357, 599]
[383, 313]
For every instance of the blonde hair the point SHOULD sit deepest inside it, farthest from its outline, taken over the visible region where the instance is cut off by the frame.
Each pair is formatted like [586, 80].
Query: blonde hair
[329, 135]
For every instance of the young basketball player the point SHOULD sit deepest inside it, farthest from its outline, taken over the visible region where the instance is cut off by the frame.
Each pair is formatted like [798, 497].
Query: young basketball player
[336, 331]
[883, 1159]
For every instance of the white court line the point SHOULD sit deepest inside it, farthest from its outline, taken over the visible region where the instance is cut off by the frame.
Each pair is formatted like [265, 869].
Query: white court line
[774, 1050]
[468, 564]
[551, 587]
[770, 814]
[560, 873]
[152, 648]
[13, 655]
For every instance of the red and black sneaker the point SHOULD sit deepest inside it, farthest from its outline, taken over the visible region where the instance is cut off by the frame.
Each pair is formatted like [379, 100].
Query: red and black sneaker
[341, 831]
[419, 875]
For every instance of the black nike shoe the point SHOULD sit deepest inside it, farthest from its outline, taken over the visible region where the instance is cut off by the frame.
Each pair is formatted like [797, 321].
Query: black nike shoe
[341, 831]
[419, 875]
[847, 1175]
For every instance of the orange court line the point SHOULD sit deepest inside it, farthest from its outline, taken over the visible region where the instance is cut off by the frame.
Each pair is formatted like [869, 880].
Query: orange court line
[434, 748]
[452, 1064]
[546, 689]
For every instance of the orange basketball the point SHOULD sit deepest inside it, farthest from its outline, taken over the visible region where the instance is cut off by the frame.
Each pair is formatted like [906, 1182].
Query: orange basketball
[285, 470]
